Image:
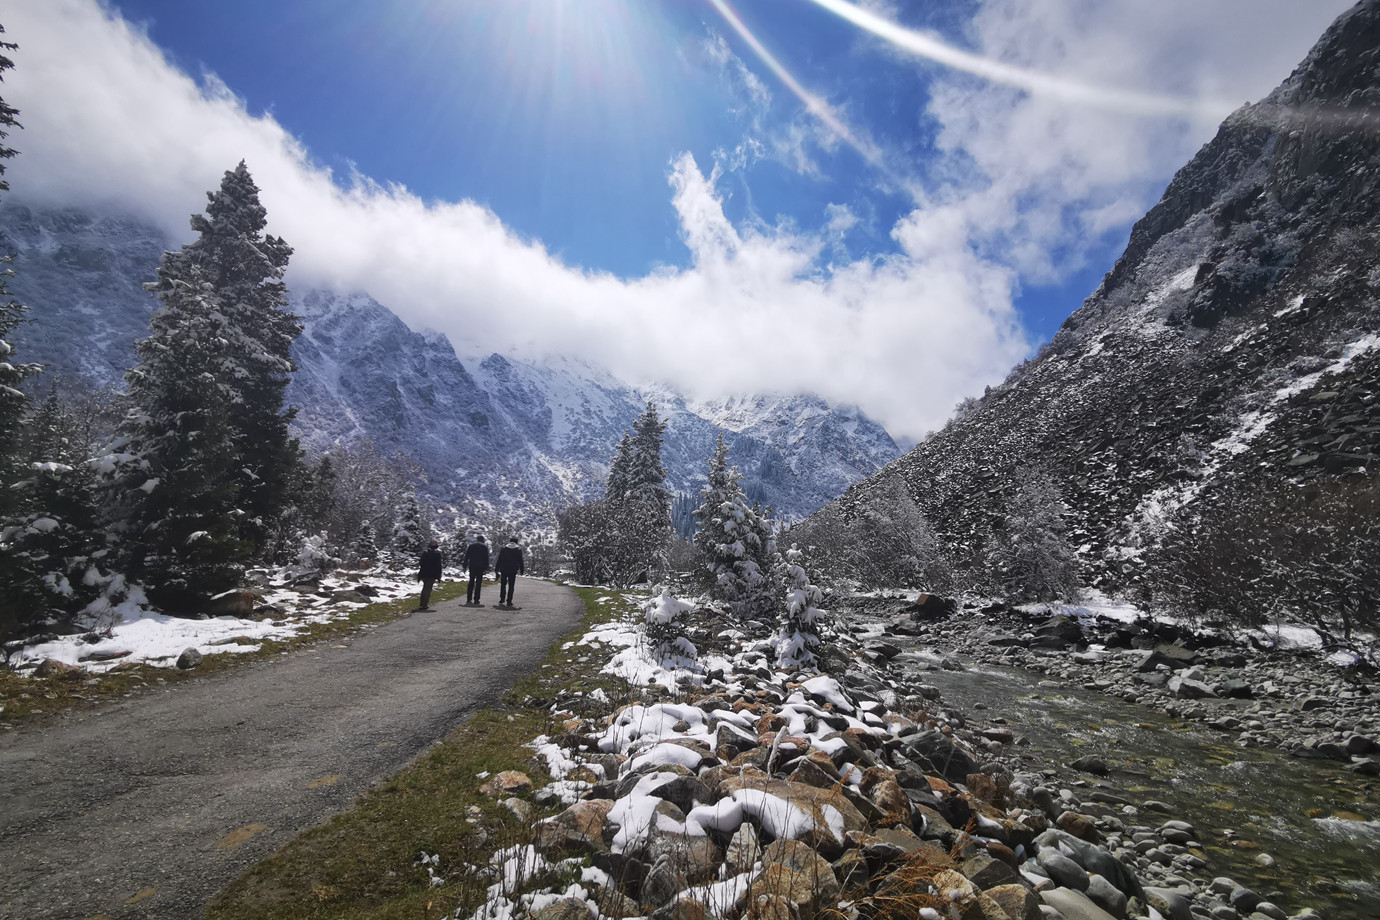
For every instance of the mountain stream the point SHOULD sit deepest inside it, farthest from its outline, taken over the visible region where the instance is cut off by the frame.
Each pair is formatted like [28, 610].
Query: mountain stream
[1320, 823]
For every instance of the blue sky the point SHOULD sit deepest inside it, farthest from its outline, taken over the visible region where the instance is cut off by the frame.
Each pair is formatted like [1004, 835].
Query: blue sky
[633, 183]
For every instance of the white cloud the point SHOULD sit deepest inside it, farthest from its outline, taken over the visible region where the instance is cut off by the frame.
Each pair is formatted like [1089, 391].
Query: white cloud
[1042, 175]
[107, 119]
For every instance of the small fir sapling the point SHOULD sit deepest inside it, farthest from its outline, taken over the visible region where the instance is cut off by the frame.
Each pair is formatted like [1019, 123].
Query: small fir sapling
[799, 639]
[736, 544]
[664, 628]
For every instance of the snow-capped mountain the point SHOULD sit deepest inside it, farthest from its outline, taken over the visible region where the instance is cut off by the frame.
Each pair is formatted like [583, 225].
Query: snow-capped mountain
[516, 436]
[1237, 338]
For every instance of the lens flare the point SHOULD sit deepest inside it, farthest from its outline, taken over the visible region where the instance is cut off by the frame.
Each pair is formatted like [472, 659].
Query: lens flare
[813, 104]
[1032, 81]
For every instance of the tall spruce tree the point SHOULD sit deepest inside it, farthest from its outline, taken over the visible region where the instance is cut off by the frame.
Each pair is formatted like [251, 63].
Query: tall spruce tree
[176, 487]
[13, 402]
[638, 501]
[244, 270]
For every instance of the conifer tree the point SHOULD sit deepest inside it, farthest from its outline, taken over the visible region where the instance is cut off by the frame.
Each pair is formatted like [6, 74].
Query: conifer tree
[176, 483]
[366, 548]
[638, 503]
[410, 532]
[13, 403]
[244, 269]
[735, 542]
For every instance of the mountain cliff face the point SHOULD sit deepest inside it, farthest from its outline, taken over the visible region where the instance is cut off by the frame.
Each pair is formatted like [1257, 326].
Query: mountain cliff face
[1237, 337]
[517, 437]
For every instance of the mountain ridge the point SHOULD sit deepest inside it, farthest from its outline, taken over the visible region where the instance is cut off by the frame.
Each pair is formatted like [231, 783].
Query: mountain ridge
[498, 434]
[1233, 343]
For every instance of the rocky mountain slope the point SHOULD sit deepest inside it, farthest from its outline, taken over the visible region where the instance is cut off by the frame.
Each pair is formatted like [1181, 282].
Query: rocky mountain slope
[509, 435]
[1237, 338]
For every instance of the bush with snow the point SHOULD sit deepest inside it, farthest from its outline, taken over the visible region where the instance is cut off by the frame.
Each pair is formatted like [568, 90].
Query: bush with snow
[664, 628]
[315, 554]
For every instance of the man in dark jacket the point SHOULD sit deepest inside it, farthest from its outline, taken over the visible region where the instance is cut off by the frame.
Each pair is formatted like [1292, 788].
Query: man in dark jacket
[476, 563]
[430, 573]
[508, 567]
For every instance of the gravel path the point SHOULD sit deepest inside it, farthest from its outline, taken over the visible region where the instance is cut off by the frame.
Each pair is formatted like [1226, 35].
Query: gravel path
[148, 807]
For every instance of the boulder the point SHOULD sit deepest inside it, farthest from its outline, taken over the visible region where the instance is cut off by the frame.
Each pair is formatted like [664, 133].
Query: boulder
[1017, 901]
[578, 829]
[815, 804]
[236, 603]
[744, 850]
[189, 659]
[51, 667]
[933, 607]
[794, 871]
[565, 909]
[509, 782]
[948, 758]
[986, 872]
[1091, 764]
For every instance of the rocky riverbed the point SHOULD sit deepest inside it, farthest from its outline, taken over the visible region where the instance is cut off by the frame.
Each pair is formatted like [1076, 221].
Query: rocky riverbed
[856, 790]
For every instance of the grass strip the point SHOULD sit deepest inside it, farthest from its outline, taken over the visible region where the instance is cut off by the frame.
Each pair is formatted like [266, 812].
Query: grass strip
[29, 697]
[364, 862]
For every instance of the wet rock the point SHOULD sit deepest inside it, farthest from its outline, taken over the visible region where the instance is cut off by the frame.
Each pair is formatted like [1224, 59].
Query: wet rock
[1077, 825]
[1061, 869]
[939, 749]
[1090, 764]
[1107, 896]
[1073, 905]
[1174, 905]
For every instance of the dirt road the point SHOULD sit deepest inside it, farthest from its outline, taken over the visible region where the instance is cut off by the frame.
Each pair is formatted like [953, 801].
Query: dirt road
[148, 807]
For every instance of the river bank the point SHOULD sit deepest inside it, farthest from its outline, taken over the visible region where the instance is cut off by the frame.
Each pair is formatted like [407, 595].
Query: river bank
[727, 786]
[1270, 751]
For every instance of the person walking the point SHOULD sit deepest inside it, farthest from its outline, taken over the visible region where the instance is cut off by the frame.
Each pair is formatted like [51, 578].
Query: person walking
[430, 573]
[476, 563]
[508, 567]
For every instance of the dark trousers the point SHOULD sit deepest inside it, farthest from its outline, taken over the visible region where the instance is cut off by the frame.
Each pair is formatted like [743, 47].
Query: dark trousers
[426, 592]
[475, 586]
[505, 586]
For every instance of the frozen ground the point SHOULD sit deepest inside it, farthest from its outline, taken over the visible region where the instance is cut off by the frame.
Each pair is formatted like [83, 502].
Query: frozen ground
[140, 635]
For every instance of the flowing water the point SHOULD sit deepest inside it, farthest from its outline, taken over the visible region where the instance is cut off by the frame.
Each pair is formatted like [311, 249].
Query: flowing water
[1320, 823]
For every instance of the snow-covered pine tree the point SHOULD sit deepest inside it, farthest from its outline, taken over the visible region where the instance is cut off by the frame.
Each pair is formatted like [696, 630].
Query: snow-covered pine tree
[13, 403]
[620, 467]
[799, 639]
[244, 268]
[735, 543]
[639, 503]
[411, 532]
[176, 464]
[366, 548]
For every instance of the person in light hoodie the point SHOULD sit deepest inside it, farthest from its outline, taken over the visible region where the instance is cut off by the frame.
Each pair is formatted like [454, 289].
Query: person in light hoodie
[508, 567]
